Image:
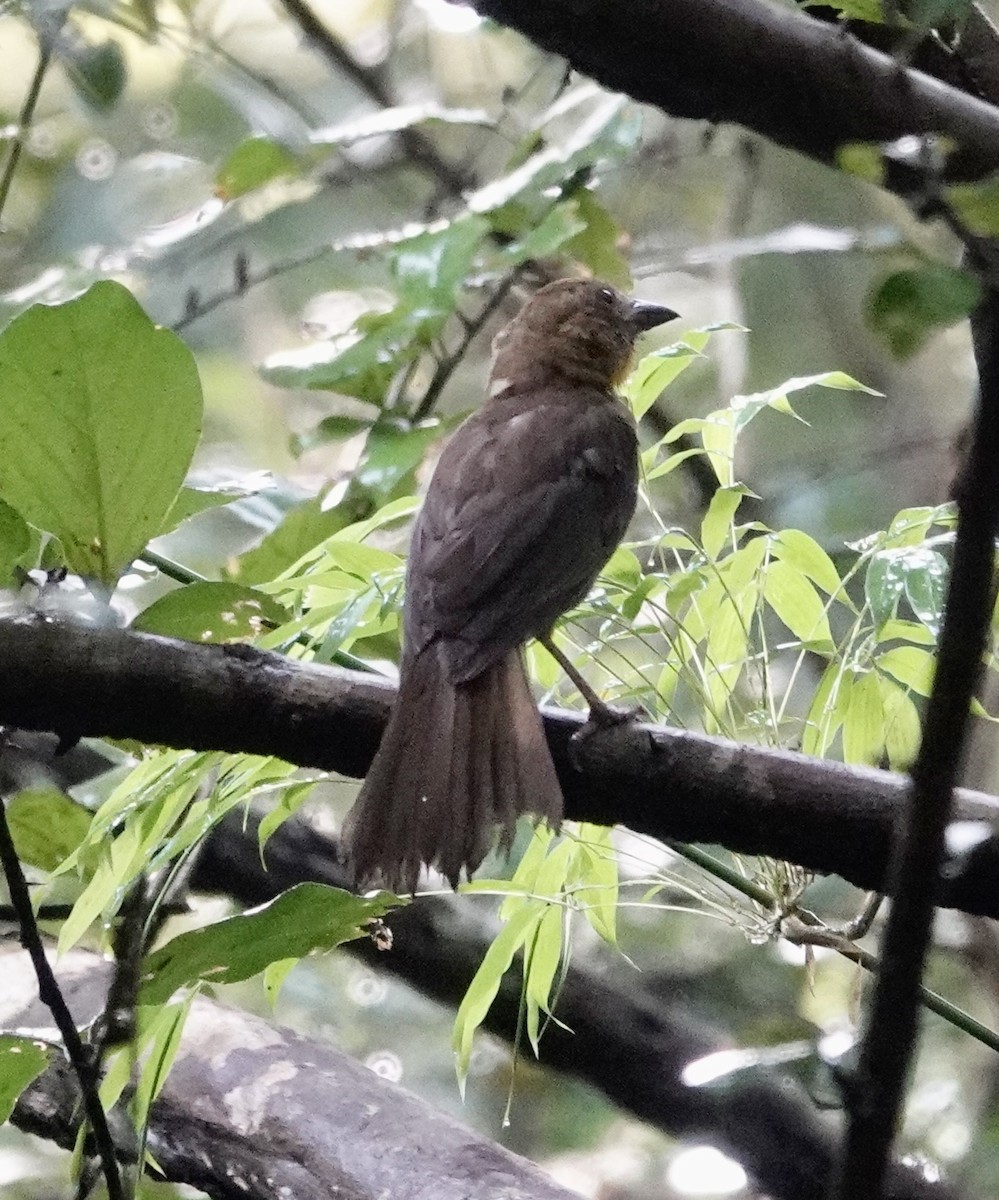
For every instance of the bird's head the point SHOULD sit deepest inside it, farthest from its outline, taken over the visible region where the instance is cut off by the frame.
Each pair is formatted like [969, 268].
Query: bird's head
[576, 331]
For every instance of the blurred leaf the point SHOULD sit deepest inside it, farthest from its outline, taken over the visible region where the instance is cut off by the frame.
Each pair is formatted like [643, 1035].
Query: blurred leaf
[394, 450]
[98, 73]
[908, 306]
[431, 267]
[47, 826]
[253, 163]
[977, 204]
[863, 722]
[100, 412]
[598, 244]
[543, 238]
[15, 543]
[22, 1060]
[193, 500]
[211, 612]
[329, 429]
[863, 159]
[307, 917]
[395, 120]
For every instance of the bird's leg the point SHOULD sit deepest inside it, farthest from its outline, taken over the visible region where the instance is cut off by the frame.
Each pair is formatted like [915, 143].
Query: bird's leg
[602, 715]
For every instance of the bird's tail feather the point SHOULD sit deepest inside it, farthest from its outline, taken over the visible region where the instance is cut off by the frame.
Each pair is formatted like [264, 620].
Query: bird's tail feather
[455, 761]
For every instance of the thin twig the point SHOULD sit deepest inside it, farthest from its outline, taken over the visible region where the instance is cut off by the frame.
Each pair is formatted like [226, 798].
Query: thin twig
[418, 147]
[51, 996]
[24, 120]
[889, 1041]
[471, 329]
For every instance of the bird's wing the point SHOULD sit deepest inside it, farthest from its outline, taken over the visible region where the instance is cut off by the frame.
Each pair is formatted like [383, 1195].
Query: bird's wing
[525, 507]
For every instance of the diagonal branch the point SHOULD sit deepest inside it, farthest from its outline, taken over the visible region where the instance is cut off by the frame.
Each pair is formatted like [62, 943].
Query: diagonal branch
[802, 83]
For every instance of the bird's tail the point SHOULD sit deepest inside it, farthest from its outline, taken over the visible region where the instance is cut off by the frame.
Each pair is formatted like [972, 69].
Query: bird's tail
[455, 761]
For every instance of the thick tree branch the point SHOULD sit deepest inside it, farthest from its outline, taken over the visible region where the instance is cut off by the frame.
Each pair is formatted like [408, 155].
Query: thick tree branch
[800, 82]
[250, 1111]
[630, 1043]
[83, 680]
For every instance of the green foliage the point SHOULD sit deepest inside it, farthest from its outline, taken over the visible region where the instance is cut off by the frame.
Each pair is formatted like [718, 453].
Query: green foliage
[212, 612]
[306, 918]
[100, 413]
[22, 1060]
[46, 825]
[253, 163]
[908, 306]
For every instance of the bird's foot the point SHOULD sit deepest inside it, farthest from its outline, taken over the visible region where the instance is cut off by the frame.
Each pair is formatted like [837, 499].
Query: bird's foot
[602, 716]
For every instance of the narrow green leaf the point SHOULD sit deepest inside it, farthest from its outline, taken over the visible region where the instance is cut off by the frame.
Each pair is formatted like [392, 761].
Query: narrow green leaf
[22, 1060]
[545, 954]
[653, 374]
[863, 723]
[597, 894]
[47, 826]
[824, 716]
[909, 665]
[211, 612]
[805, 555]
[902, 726]
[716, 527]
[482, 990]
[884, 583]
[100, 412]
[307, 917]
[793, 598]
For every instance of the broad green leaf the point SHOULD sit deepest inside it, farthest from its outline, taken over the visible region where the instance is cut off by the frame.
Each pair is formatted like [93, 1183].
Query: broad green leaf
[15, 543]
[47, 826]
[211, 612]
[863, 723]
[910, 305]
[623, 568]
[100, 413]
[336, 428]
[393, 452]
[22, 1060]
[796, 602]
[304, 528]
[806, 556]
[716, 526]
[884, 584]
[306, 918]
[902, 726]
[909, 665]
[253, 163]
[598, 243]
[482, 990]
[926, 587]
[430, 268]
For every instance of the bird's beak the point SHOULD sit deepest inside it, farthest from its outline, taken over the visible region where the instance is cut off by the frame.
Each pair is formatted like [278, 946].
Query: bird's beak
[645, 315]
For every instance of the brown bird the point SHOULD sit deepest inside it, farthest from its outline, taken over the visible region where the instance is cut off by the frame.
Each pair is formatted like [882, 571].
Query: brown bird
[529, 499]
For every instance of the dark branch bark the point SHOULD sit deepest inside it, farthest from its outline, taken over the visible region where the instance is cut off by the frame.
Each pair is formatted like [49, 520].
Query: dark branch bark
[250, 1111]
[889, 1041]
[800, 82]
[673, 785]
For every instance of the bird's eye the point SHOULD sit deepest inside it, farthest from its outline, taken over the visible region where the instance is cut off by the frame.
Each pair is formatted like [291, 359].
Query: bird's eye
[607, 294]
